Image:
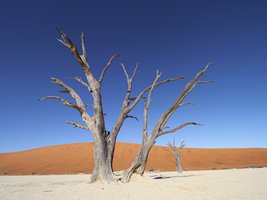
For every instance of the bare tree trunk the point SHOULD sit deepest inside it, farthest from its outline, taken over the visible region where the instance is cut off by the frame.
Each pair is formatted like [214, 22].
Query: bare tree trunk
[112, 141]
[178, 163]
[139, 163]
[101, 171]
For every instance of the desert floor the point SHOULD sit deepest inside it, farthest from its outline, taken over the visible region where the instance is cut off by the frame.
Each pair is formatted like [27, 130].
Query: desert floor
[250, 184]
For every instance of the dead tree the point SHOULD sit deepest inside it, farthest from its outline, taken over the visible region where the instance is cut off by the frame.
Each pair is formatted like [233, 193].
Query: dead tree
[176, 153]
[148, 140]
[104, 145]
[95, 123]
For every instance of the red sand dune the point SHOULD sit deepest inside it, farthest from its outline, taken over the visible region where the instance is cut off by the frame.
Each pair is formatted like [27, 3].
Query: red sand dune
[78, 158]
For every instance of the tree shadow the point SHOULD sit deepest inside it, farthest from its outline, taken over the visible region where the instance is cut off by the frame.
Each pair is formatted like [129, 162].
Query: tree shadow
[178, 176]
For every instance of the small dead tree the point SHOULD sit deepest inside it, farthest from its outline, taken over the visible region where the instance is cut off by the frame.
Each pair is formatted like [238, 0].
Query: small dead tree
[104, 141]
[176, 153]
[148, 140]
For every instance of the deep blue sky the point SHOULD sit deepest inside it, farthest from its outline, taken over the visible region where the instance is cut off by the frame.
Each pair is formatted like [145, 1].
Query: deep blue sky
[176, 37]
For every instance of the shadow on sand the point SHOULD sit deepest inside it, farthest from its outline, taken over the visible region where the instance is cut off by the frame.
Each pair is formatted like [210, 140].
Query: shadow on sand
[167, 177]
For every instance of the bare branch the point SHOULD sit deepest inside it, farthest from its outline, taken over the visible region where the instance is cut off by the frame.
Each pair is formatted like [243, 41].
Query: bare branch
[77, 125]
[173, 146]
[139, 163]
[165, 127]
[178, 102]
[140, 96]
[147, 103]
[125, 72]
[158, 75]
[65, 102]
[182, 145]
[73, 94]
[185, 103]
[63, 91]
[65, 40]
[127, 98]
[134, 72]
[82, 59]
[84, 54]
[197, 83]
[194, 80]
[179, 127]
[124, 108]
[83, 83]
[133, 117]
[133, 98]
[106, 67]
[79, 103]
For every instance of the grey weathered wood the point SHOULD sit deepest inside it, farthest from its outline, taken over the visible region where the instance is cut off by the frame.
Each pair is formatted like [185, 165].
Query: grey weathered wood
[139, 163]
[96, 123]
[128, 104]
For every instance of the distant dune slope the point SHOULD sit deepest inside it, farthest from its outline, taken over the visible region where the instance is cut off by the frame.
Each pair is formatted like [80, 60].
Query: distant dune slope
[78, 158]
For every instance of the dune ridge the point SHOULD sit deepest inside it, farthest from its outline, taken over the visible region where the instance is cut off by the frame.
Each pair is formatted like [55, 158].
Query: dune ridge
[78, 158]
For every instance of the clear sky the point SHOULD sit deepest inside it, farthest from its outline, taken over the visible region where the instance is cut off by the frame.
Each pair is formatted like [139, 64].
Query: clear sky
[177, 37]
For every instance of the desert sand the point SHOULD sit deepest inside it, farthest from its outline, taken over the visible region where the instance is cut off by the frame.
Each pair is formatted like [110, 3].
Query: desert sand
[199, 181]
[78, 158]
[234, 184]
